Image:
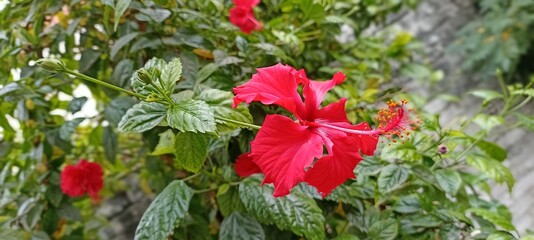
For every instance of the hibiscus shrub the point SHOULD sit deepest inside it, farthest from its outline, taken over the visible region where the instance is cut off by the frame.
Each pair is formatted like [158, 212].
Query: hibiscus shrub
[212, 105]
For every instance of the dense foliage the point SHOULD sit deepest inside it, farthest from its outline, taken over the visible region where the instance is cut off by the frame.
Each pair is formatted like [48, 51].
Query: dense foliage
[500, 39]
[161, 74]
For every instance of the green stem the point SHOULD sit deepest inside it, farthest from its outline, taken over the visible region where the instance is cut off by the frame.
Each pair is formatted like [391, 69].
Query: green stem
[206, 190]
[105, 84]
[161, 92]
[239, 122]
[190, 177]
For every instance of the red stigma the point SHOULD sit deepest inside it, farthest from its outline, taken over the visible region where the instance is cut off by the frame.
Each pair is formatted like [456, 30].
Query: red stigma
[394, 120]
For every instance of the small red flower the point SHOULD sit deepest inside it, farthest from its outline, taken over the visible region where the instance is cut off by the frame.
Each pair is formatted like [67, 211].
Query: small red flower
[84, 177]
[242, 15]
[290, 151]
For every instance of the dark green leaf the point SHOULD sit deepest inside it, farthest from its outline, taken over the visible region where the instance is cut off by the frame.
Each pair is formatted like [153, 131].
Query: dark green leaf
[228, 200]
[117, 108]
[391, 177]
[407, 204]
[142, 117]
[120, 8]
[88, 59]
[121, 42]
[240, 227]
[166, 212]
[205, 72]
[54, 195]
[191, 116]
[122, 73]
[449, 180]
[384, 229]
[369, 166]
[76, 104]
[111, 144]
[295, 212]
[191, 150]
[68, 128]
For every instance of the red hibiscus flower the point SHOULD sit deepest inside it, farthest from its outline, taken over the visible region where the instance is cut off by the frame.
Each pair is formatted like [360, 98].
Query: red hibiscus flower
[242, 16]
[290, 151]
[84, 177]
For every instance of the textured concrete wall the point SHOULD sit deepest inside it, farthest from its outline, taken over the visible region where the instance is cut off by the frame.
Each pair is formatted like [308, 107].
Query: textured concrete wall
[435, 23]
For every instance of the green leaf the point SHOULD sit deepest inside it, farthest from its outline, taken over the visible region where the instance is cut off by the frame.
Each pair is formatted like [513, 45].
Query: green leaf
[122, 73]
[221, 104]
[369, 166]
[486, 95]
[166, 212]
[391, 177]
[142, 117]
[495, 218]
[191, 150]
[76, 104]
[295, 212]
[407, 204]
[9, 234]
[528, 92]
[111, 144]
[449, 180]
[170, 74]
[120, 8]
[117, 108]
[351, 194]
[346, 236]
[228, 200]
[384, 229]
[312, 11]
[191, 116]
[205, 72]
[529, 237]
[526, 121]
[488, 122]
[121, 42]
[500, 235]
[491, 168]
[165, 143]
[66, 130]
[240, 227]
[493, 150]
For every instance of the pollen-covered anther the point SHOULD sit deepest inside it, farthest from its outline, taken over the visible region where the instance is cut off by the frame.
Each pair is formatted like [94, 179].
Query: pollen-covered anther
[394, 120]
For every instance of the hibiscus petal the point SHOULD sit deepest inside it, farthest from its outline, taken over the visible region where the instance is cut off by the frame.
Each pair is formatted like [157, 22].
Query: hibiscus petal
[243, 17]
[314, 91]
[244, 166]
[283, 149]
[246, 3]
[367, 143]
[271, 85]
[334, 112]
[333, 170]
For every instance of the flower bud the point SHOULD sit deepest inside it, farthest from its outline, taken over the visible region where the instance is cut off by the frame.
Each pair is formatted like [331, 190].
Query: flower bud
[52, 65]
[144, 76]
[442, 149]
